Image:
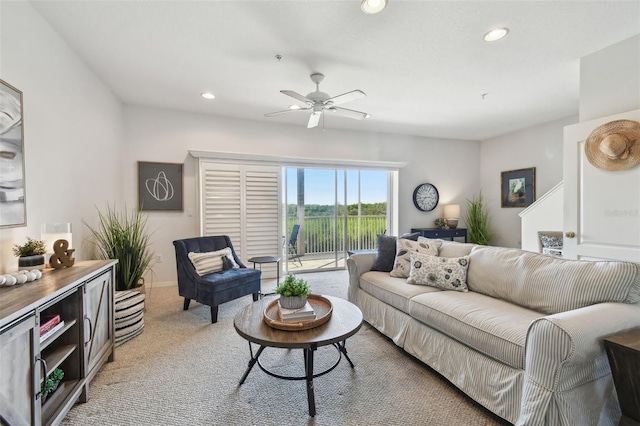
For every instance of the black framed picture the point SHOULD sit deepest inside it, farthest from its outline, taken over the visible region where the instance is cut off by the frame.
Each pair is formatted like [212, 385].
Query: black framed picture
[13, 207]
[518, 187]
[160, 186]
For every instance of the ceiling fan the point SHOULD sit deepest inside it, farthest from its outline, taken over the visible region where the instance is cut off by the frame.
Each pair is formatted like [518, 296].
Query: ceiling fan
[318, 102]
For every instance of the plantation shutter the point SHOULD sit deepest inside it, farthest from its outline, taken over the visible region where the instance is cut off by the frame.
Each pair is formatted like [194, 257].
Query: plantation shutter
[243, 202]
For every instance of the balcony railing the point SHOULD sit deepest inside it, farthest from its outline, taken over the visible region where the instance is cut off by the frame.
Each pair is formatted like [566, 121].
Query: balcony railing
[320, 233]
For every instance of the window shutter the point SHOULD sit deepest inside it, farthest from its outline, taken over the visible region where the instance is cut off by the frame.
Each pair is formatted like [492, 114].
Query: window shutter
[243, 202]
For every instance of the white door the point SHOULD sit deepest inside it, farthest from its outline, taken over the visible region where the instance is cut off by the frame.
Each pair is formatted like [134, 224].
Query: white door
[601, 208]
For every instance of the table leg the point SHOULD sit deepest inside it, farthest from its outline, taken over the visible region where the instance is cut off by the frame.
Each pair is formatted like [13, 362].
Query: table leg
[343, 348]
[252, 362]
[308, 366]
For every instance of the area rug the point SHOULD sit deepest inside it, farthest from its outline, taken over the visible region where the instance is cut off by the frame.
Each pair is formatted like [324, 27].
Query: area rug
[183, 370]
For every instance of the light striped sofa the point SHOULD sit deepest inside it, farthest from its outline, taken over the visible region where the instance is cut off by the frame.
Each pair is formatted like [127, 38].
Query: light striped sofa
[526, 341]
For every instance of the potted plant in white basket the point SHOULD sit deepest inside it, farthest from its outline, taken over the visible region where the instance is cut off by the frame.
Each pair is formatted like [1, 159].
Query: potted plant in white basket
[123, 236]
[293, 292]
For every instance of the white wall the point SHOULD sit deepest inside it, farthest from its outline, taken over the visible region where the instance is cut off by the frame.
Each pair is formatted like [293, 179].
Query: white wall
[547, 214]
[610, 80]
[72, 130]
[166, 136]
[539, 147]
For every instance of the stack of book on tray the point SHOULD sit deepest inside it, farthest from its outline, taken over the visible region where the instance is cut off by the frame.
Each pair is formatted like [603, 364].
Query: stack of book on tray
[296, 315]
[49, 324]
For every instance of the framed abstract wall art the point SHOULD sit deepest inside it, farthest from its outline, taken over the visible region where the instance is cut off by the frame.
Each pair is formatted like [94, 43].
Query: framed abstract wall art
[13, 207]
[160, 186]
[518, 187]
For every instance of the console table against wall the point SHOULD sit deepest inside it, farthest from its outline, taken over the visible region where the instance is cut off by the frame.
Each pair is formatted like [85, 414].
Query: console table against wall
[83, 297]
[443, 234]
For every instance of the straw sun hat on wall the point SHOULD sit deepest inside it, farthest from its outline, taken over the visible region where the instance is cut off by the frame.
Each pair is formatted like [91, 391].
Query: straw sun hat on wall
[615, 145]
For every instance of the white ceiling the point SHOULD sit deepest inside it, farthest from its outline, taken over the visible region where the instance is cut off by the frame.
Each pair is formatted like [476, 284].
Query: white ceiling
[423, 64]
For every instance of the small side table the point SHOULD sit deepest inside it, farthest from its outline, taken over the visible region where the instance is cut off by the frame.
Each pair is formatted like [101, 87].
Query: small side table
[267, 259]
[623, 351]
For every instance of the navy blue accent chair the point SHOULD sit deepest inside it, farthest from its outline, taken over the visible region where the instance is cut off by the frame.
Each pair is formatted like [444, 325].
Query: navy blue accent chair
[218, 287]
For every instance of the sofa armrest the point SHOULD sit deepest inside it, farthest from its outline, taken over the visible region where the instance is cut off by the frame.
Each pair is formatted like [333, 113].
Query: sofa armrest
[358, 264]
[566, 350]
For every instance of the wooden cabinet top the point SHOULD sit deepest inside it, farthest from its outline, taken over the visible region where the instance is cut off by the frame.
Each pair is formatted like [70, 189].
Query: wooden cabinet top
[629, 339]
[20, 299]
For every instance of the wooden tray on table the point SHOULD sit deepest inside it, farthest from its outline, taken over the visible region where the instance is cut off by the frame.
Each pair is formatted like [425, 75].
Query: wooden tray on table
[321, 306]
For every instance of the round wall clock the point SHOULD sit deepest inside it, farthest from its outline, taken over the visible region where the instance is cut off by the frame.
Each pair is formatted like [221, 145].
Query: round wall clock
[425, 197]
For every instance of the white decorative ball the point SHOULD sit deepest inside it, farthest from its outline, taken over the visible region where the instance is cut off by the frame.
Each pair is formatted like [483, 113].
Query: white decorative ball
[21, 278]
[30, 276]
[2, 280]
[38, 273]
[11, 280]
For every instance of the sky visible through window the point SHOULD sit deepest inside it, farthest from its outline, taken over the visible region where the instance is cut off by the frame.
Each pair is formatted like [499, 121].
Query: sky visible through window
[320, 186]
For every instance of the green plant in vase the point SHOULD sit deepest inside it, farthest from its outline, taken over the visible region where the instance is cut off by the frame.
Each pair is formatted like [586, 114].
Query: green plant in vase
[51, 384]
[124, 237]
[477, 219]
[293, 292]
[441, 223]
[30, 254]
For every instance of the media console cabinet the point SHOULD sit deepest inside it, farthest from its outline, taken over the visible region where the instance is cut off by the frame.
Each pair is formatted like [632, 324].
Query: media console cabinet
[83, 296]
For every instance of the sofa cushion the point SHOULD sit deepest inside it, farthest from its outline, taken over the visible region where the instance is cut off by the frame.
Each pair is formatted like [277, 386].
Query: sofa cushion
[404, 247]
[212, 261]
[447, 273]
[493, 327]
[548, 284]
[393, 291]
[386, 246]
[452, 248]
[386, 254]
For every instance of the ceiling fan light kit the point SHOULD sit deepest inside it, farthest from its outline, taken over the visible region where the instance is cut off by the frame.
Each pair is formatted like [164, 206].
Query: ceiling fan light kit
[373, 6]
[318, 102]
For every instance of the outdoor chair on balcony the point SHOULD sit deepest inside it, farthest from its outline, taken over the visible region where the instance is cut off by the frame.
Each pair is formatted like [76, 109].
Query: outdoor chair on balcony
[207, 275]
[293, 245]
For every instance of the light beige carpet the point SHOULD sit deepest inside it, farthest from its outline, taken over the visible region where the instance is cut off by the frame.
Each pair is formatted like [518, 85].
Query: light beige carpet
[183, 370]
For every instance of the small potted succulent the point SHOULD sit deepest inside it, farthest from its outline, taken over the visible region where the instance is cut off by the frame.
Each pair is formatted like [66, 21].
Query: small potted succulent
[293, 292]
[441, 223]
[30, 254]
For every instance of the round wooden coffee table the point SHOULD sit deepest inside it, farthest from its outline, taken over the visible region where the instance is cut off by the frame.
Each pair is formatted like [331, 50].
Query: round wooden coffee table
[345, 321]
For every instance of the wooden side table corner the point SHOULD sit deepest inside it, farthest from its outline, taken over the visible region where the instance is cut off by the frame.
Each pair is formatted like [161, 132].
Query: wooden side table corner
[623, 351]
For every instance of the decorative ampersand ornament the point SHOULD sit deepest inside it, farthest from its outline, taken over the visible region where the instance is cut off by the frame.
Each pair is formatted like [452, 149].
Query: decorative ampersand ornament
[61, 257]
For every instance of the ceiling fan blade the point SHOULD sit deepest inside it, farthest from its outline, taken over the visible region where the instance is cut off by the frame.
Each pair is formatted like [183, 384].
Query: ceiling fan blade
[296, 95]
[346, 97]
[314, 119]
[271, 114]
[344, 112]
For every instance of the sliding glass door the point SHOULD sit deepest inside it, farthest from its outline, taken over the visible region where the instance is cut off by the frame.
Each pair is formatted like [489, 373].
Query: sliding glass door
[330, 212]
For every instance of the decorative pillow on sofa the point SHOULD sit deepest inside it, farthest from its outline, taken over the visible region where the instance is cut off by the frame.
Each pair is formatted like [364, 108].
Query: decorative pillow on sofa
[212, 261]
[447, 273]
[550, 241]
[386, 245]
[402, 264]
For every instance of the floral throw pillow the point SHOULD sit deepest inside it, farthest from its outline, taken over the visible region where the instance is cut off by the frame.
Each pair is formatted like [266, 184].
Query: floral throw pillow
[404, 248]
[447, 273]
[551, 241]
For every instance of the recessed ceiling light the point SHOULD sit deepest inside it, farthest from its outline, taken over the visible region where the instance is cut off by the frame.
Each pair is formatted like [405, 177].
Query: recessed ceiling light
[208, 95]
[496, 34]
[373, 6]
